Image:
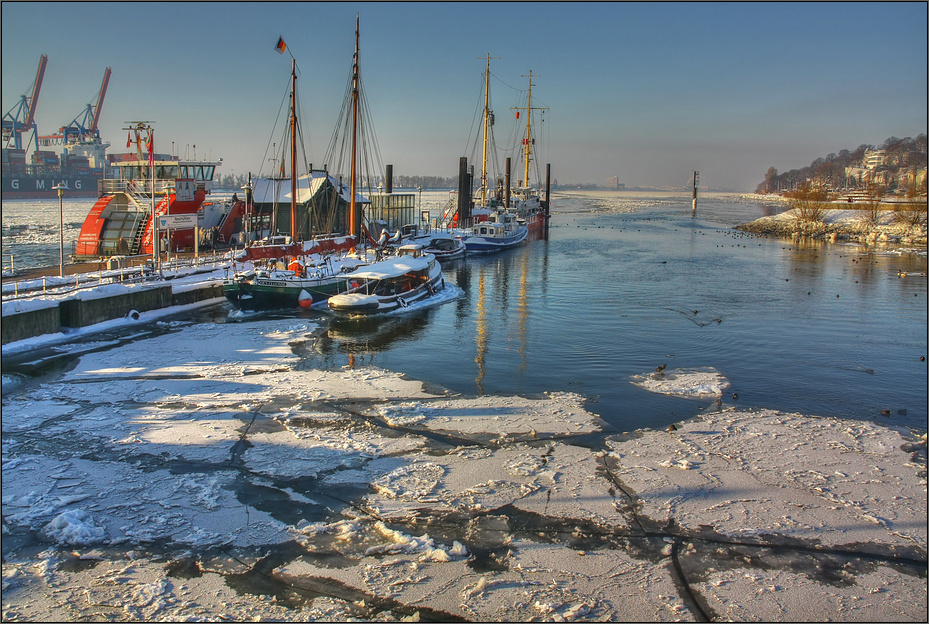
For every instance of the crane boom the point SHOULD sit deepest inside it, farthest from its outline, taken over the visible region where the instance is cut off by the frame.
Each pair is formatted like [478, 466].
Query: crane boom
[100, 97]
[36, 88]
[14, 125]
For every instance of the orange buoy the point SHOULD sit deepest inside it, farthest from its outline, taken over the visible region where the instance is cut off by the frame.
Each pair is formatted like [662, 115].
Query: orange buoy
[305, 299]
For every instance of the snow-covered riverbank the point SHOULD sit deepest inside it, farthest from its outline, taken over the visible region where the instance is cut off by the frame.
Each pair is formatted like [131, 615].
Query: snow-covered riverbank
[208, 477]
[844, 224]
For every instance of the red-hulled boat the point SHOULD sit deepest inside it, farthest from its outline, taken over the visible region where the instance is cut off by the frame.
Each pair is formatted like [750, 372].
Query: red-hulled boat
[148, 187]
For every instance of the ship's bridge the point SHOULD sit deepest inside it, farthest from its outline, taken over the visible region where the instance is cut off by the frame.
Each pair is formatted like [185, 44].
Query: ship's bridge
[185, 178]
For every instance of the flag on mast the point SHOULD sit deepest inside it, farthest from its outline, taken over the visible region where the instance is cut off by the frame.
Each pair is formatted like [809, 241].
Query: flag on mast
[150, 146]
[281, 46]
[129, 140]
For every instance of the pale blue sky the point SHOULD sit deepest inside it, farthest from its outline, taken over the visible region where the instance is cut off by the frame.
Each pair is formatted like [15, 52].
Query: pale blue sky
[643, 91]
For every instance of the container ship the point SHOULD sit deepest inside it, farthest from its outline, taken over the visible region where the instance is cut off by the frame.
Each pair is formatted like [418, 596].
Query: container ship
[79, 167]
[77, 172]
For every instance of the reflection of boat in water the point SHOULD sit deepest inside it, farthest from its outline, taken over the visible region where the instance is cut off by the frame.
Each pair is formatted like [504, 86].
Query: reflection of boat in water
[391, 284]
[502, 232]
[371, 333]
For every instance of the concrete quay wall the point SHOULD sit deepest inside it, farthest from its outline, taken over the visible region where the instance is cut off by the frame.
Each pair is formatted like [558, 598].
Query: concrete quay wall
[78, 313]
[28, 324]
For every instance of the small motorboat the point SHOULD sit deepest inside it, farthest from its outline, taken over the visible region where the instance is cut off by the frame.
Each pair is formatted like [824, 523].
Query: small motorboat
[445, 247]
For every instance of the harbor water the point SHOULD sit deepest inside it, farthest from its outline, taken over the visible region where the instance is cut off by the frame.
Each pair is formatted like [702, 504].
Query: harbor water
[628, 283]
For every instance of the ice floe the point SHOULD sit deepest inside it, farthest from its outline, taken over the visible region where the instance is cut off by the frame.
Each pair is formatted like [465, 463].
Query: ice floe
[300, 495]
[698, 383]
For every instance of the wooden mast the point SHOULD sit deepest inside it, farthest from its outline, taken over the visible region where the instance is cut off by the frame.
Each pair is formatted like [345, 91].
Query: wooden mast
[486, 124]
[353, 212]
[293, 151]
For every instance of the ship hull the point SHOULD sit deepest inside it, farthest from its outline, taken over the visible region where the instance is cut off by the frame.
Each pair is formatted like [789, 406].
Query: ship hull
[40, 186]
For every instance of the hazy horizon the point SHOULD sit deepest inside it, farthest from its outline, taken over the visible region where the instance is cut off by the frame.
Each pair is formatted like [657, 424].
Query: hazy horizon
[646, 92]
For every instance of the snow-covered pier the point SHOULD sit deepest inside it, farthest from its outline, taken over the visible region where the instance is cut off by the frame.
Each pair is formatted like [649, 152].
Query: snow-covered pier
[48, 306]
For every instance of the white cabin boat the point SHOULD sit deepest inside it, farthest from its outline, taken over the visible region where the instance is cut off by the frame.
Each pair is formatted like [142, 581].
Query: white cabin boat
[391, 284]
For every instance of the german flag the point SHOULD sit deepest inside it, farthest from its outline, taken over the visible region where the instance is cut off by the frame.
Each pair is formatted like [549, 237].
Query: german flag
[281, 46]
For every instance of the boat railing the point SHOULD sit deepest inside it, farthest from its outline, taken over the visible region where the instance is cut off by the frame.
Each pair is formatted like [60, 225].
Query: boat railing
[135, 187]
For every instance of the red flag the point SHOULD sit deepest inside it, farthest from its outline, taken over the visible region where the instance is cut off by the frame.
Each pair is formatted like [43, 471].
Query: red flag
[129, 140]
[517, 114]
[150, 146]
[281, 46]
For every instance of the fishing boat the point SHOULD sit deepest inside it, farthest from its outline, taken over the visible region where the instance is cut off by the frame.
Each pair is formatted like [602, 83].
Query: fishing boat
[503, 231]
[288, 275]
[392, 284]
[527, 203]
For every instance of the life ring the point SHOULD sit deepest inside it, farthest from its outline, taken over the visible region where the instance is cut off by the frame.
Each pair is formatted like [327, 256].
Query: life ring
[402, 302]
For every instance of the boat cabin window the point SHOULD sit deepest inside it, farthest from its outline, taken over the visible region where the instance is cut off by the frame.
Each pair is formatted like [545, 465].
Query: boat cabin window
[166, 172]
[411, 250]
[196, 172]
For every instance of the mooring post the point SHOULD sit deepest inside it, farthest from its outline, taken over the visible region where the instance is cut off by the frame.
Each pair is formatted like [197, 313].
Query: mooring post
[464, 193]
[506, 186]
[696, 180]
[548, 197]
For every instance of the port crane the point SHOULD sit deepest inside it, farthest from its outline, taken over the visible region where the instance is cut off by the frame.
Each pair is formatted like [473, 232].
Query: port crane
[85, 127]
[17, 123]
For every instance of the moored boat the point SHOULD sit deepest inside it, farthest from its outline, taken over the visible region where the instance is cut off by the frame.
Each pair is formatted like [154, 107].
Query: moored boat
[502, 232]
[527, 203]
[392, 284]
[444, 245]
[289, 275]
[150, 188]
[282, 271]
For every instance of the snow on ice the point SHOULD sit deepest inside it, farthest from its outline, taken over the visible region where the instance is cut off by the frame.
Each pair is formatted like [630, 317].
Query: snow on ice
[299, 495]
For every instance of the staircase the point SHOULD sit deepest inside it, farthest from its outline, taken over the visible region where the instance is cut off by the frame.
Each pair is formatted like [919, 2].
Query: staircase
[448, 211]
[136, 247]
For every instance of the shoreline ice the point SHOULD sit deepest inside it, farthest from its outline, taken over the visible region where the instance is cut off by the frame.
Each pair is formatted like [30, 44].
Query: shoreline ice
[222, 483]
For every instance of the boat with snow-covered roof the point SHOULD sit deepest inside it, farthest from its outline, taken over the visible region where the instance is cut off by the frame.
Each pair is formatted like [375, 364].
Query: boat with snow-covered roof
[393, 283]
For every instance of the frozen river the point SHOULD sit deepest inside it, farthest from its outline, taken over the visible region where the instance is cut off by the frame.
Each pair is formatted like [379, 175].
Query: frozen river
[466, 461]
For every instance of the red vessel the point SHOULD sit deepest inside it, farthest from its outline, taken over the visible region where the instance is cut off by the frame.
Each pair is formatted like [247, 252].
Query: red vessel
[148, 186]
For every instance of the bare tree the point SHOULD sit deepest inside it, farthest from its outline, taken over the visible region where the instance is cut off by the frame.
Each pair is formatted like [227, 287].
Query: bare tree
[872, 206]
[809, 201]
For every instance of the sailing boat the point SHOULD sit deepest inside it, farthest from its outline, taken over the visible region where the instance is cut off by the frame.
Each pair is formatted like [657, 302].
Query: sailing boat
[284, 271]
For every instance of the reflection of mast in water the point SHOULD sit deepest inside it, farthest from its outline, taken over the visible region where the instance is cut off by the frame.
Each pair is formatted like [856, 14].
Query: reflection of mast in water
[523, 308]
[481, 353]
